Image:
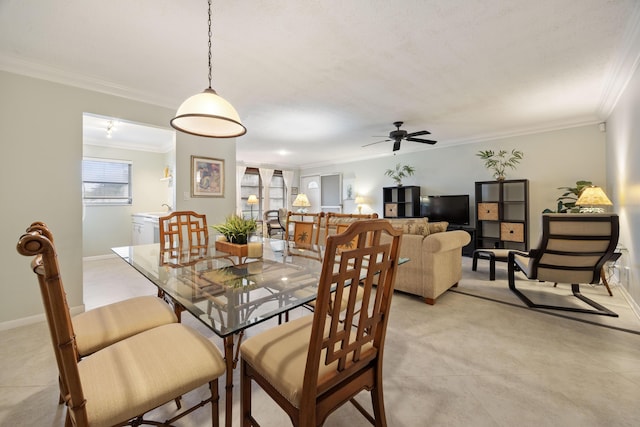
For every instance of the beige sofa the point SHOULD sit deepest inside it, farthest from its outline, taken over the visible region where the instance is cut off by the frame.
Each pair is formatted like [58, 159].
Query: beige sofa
[435, 257]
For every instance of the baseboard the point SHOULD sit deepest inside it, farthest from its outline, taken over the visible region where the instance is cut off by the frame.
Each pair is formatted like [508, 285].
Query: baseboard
[30, 320]
[634, 305]
[99, 257]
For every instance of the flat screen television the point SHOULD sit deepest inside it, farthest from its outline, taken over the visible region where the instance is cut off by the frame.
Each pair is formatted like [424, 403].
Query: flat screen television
[451, 208]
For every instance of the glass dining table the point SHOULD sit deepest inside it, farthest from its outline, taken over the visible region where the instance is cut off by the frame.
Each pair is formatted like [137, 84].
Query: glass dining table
[230, 293]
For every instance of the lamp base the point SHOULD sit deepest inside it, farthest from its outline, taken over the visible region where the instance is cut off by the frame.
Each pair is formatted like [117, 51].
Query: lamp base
[591, 210]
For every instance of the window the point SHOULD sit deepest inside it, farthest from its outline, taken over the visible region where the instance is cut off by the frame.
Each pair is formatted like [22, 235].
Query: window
[106, 182]
[252, 184]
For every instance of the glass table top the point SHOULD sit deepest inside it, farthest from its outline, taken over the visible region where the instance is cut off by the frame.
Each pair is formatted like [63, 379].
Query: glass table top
[229, 293]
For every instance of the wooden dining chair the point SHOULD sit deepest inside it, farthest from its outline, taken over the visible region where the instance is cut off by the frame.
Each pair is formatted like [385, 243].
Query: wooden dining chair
[184, 229]
[303, 229]
[313, 365]
[573, 250]
[121, 382]
[336, 223]
[108, 324]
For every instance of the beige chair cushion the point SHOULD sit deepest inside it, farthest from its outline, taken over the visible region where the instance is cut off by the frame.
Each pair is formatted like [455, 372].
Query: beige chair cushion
[145, 371]
[103, 326]
[280, 355]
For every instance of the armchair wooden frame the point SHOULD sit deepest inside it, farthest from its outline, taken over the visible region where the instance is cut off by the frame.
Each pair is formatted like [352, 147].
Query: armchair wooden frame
[573, 249]
[313, 365]
[118, 384]
[272, 221]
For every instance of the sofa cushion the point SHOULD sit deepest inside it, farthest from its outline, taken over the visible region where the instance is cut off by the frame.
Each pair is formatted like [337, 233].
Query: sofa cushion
[418, 226]
[438, 227]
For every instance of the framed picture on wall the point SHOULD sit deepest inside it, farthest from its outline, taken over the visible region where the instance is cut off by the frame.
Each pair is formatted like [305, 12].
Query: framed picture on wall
[207, 177]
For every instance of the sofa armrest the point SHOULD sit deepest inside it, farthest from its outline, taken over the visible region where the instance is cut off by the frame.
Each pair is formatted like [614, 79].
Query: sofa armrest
[446, 241]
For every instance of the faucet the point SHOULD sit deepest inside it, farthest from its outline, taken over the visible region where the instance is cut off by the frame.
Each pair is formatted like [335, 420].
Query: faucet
[169, 208]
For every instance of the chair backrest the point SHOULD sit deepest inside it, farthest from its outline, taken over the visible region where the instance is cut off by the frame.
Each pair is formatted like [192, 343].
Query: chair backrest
[45, 265]
[574, 247]
[272, 222]
[270, 216]
[336, 223]
[185, 229]
[303, 229]
[352, 338]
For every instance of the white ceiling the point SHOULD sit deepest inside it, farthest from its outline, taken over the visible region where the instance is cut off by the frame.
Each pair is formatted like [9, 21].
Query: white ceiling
[313, 81]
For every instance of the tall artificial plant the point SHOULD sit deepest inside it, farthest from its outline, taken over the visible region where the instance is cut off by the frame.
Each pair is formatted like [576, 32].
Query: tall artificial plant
[500, 161]
[399, 172]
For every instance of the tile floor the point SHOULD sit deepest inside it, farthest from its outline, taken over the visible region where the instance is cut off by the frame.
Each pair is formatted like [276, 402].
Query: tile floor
[465, 361]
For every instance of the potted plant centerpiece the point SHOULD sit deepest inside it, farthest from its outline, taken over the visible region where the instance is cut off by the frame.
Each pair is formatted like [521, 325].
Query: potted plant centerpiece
[236, 231]
[400, 172]
[499, 161]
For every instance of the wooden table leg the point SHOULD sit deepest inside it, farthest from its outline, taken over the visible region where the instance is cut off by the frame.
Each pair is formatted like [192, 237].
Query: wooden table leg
[603, 276]
[231, 361]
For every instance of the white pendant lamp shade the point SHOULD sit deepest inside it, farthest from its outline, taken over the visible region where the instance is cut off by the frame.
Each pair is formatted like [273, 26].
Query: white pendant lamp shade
[208, 114]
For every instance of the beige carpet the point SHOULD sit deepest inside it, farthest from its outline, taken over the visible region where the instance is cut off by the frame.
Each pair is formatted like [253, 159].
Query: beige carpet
[477, 283]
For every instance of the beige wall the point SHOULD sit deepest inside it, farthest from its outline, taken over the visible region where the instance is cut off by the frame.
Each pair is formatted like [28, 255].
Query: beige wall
[623, 158]
[41, 140]
[552, 159]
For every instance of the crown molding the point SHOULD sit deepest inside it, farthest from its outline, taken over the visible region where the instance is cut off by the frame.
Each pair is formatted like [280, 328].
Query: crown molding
[69, 78]
[622, 67]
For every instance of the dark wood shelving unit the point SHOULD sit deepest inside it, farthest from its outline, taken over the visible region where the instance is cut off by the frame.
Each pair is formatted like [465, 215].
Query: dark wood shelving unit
[401, 202]
[502, 214]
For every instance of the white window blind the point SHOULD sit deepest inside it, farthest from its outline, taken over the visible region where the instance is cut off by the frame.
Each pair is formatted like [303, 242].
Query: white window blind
[106, 182]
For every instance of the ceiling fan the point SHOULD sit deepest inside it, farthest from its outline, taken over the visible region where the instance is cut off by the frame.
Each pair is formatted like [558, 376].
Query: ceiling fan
[398, 135]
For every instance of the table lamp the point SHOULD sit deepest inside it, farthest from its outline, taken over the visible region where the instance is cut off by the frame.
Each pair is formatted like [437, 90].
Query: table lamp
[252, 200]
[592, 199]
[301, 202]
[359, 201]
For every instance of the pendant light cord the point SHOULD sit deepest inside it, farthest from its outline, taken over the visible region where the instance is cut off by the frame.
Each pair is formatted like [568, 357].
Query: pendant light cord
[209, 44]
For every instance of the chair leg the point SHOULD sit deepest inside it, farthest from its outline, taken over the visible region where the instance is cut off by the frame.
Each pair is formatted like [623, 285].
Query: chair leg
[377, 400]
[215, 404]
[245, 391]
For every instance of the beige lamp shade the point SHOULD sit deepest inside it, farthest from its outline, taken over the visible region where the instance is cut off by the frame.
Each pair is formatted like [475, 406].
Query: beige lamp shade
[592, 199]
[593, 196]
[301, 201]
[252, 200]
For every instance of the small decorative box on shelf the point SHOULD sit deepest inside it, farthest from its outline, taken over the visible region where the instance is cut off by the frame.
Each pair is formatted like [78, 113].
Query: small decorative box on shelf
[391, 210]
[512, 231]
[488, 211]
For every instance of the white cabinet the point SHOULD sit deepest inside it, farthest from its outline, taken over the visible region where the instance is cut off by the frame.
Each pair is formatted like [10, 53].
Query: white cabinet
[144, 229]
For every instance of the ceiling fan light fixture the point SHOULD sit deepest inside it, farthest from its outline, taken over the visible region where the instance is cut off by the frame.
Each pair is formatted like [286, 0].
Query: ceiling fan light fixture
[208, 114]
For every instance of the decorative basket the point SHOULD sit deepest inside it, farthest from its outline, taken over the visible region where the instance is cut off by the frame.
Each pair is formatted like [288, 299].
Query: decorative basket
[488, 211]
[512, 231]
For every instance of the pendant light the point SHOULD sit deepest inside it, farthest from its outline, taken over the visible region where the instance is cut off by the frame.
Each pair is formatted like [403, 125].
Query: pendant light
[208, 114]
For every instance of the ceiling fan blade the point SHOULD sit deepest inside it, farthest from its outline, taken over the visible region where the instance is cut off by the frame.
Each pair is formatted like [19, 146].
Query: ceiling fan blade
[420, 132]
[377, 142]
[425, 141]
